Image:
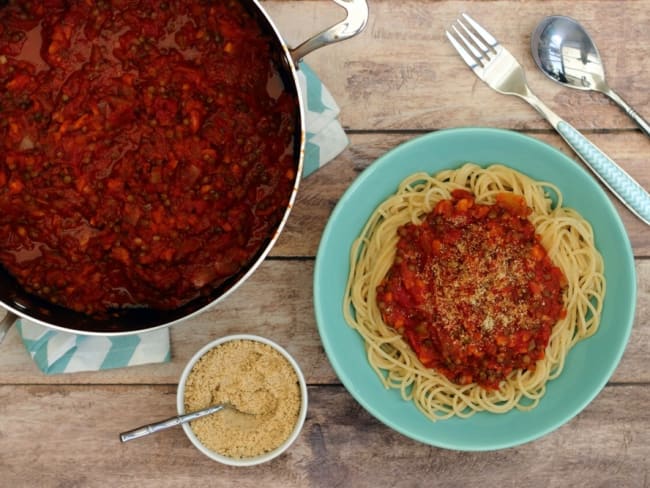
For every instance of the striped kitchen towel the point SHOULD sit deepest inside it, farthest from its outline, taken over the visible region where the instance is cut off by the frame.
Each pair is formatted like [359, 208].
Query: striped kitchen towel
[63, 352]
[325, 136]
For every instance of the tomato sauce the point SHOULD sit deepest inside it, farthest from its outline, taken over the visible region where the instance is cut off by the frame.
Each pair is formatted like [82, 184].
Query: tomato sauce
[472, 290]
[145, 148]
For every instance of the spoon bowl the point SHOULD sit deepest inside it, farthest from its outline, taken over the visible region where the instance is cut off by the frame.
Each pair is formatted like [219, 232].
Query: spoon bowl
[564, 52]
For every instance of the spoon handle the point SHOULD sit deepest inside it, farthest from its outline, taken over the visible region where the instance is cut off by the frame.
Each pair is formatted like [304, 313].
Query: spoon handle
[621, 184]
[166, 424]
[640, 121]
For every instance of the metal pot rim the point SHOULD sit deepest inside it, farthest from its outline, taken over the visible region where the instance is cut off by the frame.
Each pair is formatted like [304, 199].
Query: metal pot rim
[353, 24]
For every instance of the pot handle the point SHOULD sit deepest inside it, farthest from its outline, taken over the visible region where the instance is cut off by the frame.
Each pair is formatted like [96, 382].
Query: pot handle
[7, 321]
[353, 24]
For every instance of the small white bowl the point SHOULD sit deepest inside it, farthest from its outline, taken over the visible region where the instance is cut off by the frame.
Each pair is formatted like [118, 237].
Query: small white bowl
[249, 461]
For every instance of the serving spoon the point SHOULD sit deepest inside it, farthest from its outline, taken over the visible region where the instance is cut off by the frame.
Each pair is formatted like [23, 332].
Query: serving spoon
[565, 53]
[170, 422]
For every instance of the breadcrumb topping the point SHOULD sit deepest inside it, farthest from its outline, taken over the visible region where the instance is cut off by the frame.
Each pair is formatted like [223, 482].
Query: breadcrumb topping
[261, 388]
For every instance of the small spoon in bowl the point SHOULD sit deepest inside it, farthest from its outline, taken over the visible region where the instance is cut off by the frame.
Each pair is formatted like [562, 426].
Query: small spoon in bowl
[170, 422]
[255, 403]
[566, 54]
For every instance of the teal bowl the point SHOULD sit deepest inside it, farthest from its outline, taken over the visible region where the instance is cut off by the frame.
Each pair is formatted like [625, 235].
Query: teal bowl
[589, 365]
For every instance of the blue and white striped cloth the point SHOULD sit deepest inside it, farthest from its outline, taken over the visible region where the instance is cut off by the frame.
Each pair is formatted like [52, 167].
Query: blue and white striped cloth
[325, 136]
[62, 352]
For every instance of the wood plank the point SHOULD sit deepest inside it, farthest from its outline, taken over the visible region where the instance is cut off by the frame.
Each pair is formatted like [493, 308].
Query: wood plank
[319, 193]
[276, 303]
[68, 436]
[378, 90]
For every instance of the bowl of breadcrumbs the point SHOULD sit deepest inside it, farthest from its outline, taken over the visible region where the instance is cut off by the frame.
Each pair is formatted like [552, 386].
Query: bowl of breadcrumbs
[264, 393]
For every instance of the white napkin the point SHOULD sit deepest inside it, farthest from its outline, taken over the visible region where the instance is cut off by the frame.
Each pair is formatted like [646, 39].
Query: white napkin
[63, 352]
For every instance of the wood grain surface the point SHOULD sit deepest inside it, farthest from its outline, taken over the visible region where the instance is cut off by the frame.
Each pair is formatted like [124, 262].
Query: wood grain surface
[396, 81]
[340, 446]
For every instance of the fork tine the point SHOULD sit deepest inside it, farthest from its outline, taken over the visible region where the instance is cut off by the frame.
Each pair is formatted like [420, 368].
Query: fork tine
[475, 52]
[471, 62]
[476, 40]
[481, 31]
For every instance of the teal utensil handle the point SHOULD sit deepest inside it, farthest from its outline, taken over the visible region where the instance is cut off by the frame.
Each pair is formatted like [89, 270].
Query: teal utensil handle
[622, 185]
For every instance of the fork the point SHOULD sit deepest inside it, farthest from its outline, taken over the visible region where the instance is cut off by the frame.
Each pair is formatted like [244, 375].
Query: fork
[499, 69]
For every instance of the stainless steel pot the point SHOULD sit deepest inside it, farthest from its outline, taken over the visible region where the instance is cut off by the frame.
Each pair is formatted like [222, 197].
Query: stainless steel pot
[19, 303]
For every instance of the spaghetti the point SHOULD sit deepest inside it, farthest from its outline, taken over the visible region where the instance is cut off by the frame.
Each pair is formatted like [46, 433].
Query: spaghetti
[563, 233]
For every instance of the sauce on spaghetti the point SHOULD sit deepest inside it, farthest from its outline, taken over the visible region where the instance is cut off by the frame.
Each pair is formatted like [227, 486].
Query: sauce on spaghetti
[145, 148]
[472, 290]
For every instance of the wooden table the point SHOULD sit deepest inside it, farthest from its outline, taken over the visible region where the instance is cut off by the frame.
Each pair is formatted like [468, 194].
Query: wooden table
[398, 80]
